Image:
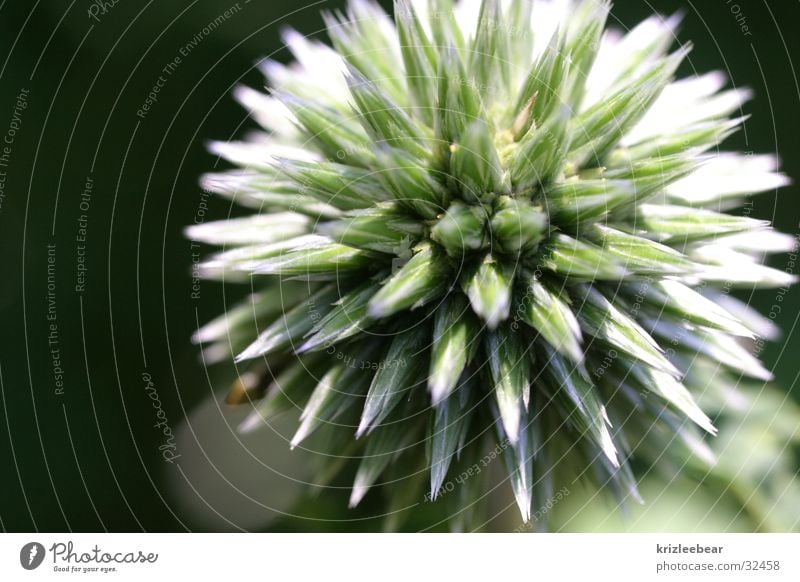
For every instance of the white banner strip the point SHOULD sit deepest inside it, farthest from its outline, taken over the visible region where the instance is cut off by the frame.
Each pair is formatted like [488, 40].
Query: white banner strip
[401, 557]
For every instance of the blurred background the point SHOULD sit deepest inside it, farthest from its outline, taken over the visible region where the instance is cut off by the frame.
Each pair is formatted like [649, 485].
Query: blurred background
[98, 303]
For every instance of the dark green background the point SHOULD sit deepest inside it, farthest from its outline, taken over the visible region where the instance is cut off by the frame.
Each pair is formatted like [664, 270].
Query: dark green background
[88, 460]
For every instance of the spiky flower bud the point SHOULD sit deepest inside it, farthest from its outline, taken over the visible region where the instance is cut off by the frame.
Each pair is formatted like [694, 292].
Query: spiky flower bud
[489, 226]
[461, 229]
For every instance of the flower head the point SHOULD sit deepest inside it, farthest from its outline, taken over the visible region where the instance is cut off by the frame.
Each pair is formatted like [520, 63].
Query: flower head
[491, 226]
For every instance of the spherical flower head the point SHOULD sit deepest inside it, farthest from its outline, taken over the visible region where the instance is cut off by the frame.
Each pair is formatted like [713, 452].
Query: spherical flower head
[490, 226]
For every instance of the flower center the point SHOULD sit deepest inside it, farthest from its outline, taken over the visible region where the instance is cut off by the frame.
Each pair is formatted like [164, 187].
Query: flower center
[504, 224]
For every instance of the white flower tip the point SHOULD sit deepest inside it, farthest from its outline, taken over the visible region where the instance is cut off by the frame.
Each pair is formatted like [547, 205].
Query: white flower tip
[760, 372]
[209, 181]
[437, 480]
[701, 419]
[738, 328]
[210, 332]
[704, 453]
[604, 413]
[247, 354]
[270, 68]
[305, 346]
[291, 37]
[247, 96]
[512, 429]
[354, 76]
[674, 20]
[193, 232]
[217, 147]
[301, 434]
[745, 332]
[377, 309]
[360, 489]
[497, 313]
[437, 386]
[670, 369]
[363, 427]
[735, 400]
[524, 504]
[216, 353]
[609, 448]
[253, 422]
[574, 351]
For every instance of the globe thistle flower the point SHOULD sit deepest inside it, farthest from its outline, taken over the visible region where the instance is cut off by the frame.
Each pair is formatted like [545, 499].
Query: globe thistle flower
[490, 230]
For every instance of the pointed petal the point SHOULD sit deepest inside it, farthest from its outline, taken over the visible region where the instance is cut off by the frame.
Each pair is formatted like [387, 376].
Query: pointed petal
[510, 368]
[600, 318]
[339, 390]
[455, 338]
[451, 421]
[489, 289]
[345, 320]
[420, 280]
[399, 373]
[292, 325]
[547, 311]
[576, 259]
[591, 415]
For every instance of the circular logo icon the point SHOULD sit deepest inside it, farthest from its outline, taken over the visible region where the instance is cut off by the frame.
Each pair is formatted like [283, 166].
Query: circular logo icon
[31, 555]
